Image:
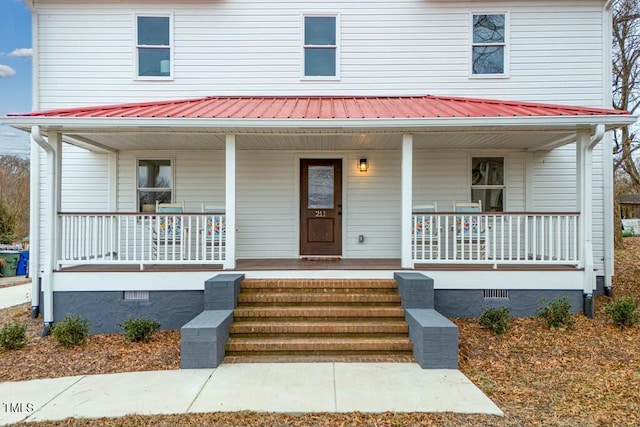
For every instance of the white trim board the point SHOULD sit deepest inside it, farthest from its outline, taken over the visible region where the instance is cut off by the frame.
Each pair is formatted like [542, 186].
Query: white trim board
[194, 281]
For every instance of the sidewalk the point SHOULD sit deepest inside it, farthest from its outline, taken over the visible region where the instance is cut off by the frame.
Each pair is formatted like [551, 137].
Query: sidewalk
[13, 280]
[14, 291]
[278, 387]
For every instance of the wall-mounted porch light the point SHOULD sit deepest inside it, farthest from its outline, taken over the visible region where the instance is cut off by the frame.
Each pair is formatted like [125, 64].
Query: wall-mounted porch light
[363, 165]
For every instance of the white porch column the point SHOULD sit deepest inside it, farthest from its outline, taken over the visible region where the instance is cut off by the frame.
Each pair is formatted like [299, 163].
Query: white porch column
[54, 163]
[407, 200]
[230, 202]
[113, 182]
[584, 201]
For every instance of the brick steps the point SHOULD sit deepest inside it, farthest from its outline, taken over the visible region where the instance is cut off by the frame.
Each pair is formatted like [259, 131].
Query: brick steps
[314, 297]
[339, 284]
[318, 320]
[321, 344]
[320, 327]
[315, 312]
[361, 357]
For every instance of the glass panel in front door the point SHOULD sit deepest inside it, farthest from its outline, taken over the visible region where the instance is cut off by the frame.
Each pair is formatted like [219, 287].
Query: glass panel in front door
[320, 187]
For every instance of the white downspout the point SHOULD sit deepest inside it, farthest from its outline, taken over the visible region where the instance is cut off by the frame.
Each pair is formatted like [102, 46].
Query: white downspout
[34, 183]
[607, 167]
[597, 136]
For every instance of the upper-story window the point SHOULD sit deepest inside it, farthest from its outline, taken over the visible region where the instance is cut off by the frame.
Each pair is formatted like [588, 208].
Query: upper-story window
[489, 45]
[153, 47]
[320, 47]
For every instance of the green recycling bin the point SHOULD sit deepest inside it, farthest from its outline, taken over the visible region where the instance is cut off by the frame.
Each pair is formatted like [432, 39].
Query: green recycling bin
[10, 263]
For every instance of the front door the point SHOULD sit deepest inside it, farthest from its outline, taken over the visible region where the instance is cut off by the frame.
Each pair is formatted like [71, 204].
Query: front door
[320, 207]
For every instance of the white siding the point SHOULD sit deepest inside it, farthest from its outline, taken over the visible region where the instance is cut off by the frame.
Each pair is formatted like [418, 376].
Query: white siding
[85, 180]
[199, 177]
[253, 48]
[373, 205]
[444, 176]
[554, 189]
[266, 204]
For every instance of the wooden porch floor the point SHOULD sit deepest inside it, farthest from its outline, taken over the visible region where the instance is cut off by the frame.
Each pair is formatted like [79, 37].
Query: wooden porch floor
[300, 264]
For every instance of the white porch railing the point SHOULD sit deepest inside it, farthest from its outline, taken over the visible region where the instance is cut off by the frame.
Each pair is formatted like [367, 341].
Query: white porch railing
[500, 238]
[141, 238]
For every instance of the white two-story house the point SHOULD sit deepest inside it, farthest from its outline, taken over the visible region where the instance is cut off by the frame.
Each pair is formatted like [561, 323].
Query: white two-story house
[174, 140]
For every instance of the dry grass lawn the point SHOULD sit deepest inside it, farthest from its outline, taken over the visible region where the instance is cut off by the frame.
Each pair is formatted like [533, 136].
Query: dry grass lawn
[585, 376]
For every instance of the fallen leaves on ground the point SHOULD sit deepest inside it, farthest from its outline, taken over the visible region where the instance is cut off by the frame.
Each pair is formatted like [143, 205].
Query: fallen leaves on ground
[585, 376]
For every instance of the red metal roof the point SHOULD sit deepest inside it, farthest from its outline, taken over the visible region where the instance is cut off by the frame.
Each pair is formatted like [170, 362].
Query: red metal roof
[330, 107]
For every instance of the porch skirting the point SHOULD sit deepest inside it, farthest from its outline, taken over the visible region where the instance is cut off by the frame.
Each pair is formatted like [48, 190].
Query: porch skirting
[522, 303]
[105, 309]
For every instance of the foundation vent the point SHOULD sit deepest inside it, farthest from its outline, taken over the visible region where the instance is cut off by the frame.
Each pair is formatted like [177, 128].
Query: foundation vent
[136, 295]
[496, 294]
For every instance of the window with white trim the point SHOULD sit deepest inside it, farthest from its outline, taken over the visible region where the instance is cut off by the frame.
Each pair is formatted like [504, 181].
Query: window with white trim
[489, 44]
[153, 46]
[155, 183]
[487, 183]
[320, 46]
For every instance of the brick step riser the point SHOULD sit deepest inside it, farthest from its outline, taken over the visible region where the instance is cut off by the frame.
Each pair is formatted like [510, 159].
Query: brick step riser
[315, 347]
[310, 318]
[336, 291]
[239, 328]
[318, 284]
[260, 356]
[306, 312]
[240, 321]
[394, 357]
[314, 305]
[350, 336]
[288, 298]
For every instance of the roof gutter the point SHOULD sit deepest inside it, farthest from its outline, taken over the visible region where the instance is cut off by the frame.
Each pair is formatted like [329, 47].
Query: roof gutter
[162, 123]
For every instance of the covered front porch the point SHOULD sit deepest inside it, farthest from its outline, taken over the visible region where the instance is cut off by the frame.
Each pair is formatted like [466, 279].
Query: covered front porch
[238, 167]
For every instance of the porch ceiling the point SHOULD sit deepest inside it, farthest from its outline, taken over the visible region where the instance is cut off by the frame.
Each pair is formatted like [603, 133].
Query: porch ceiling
[477, 139]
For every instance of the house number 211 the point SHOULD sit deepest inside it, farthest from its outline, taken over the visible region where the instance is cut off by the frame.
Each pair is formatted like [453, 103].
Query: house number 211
[321, 214]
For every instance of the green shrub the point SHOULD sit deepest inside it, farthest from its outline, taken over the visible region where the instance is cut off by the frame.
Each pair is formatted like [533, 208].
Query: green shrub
[623, 311]
[557, 313]
[71, 331]
[496, 319]
[139, 329]
[13, 335]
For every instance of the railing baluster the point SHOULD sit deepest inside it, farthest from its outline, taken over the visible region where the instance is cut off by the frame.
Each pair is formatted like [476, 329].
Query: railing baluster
[517, 252]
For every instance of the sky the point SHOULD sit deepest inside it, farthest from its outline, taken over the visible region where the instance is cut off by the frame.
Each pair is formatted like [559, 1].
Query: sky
[15, 73]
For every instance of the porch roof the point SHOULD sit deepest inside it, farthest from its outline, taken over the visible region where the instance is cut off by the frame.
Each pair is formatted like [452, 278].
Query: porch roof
[320, 107]
[273, 122]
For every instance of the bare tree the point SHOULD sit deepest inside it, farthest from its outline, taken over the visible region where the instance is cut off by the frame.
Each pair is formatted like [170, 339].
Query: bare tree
[14, 198]
[626, 82]
[626, 96]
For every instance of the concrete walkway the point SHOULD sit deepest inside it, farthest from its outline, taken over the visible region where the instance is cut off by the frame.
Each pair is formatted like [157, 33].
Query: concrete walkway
[18, 291]
[278, 387]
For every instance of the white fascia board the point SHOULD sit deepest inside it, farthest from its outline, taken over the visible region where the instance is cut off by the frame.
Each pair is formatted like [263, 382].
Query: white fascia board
[87, 123]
